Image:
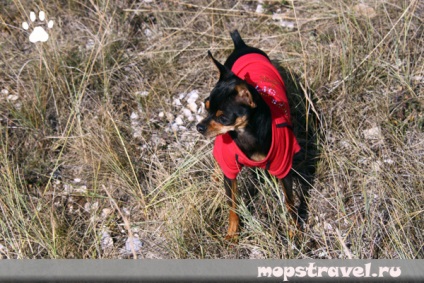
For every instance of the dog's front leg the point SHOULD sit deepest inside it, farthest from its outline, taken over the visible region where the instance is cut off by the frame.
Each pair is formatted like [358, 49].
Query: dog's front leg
[231, 192]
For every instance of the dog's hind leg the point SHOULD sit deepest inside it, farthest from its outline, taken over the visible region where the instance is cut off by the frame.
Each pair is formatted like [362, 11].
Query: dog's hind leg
[287, 186]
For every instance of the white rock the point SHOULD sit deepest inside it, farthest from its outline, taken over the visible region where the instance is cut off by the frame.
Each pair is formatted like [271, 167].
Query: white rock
[87, 207]
[142, 93]
[134, 116]
[174, 127]
[95, 206]
[126, 211]
[187, 112]
[176, 102]
[12, 97]
[67, 189]
[106, 212]
[179, 121]
[277, 16]
[322, 254]
[373, 133]
[4, 92]
[192, 106]
[364, 10]
[133, 244]
[161, 115]
[106, 241]
[169, 117]
[192, 96]
[148, 32]
[388, 161]
[81, 189]
[90, 44]
[281, 19]
[199, 118]
[259, 8]
[287, 24]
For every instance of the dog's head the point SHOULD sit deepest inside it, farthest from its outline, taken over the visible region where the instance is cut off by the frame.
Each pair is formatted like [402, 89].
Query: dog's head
[229, 104]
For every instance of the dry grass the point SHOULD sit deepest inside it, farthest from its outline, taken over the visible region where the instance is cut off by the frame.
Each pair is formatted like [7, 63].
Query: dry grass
[91, 155]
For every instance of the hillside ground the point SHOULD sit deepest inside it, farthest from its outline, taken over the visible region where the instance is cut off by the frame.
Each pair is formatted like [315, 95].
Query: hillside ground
[99, 157]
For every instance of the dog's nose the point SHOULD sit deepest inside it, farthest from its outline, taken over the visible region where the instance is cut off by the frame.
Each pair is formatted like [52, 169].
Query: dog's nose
[201, 128]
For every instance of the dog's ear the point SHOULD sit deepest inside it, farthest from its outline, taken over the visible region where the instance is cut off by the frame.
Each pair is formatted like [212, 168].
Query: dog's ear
[224, 72]
[244, 96]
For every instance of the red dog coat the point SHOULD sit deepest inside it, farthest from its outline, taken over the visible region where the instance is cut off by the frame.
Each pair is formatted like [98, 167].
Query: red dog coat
[258, 71]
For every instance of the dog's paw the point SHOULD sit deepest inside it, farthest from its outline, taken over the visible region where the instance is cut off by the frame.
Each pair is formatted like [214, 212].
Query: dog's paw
[38, 32]
[232, 233]
[233, 238]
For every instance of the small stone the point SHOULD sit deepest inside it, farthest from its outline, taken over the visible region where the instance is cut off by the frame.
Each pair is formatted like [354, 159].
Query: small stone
[106, 241]
[87, 207]
[106, 212]
[259, 9]
[187, 112]
[126, 211]
[322, 254]
[67, 189]
[179, 121]
[134, 116]
[199, 118]
[133, 244]
[388, 161]
[372, 133]
[142, 93]
[82, 189]
[12, 97]
[192, 96]
[90, 44]
[148, 32]
[169, 117]
[364, 10]
[176, 102]
[192, 106]
[174, 127]
[287, 24]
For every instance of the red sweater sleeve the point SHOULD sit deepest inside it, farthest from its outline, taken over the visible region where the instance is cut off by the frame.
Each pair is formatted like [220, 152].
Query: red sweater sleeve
[226, 157]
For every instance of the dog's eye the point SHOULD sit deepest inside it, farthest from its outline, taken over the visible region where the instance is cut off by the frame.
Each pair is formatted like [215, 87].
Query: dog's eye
[223, 119]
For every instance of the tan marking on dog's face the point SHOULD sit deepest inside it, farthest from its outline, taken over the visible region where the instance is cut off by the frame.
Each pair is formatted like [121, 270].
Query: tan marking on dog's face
[214, 128]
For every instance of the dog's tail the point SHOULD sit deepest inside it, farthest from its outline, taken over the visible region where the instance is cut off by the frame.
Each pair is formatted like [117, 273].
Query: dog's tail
[238, 42]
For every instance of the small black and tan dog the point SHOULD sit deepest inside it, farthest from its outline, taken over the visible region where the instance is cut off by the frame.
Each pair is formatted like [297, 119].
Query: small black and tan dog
[248, 113]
